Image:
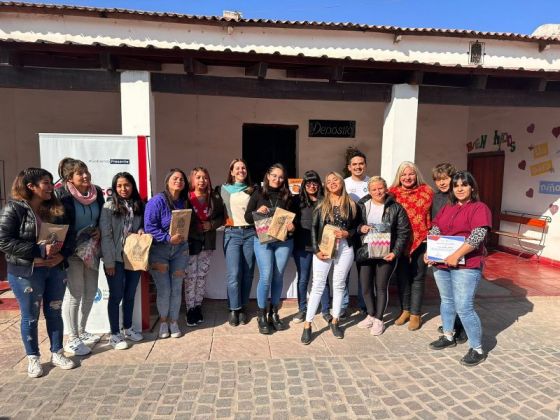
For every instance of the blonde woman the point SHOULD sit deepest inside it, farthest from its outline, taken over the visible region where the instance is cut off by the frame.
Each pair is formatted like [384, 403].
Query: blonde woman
[337, 209]
[411, 191]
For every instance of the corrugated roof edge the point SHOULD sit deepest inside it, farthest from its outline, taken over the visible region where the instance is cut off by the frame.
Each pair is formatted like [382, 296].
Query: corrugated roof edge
[22, 7]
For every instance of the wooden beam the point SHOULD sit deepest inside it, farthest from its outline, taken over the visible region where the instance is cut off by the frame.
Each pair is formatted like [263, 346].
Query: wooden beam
[258, 69]
[58, 61]
[488, 97]
[59, 79]
[268, 88]
[540, 84]
[416, 77]
[132, 63]
[337, 74]
[9, 57]
[479, 82]
[194, 66]
[107, 61]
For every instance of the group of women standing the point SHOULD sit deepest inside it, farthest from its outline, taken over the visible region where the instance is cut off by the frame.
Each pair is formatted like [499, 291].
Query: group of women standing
[44, 272]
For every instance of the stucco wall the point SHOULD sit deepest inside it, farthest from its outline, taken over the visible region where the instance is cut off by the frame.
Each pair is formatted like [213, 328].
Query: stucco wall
[24, 113]
[206, 130]
[528, 127]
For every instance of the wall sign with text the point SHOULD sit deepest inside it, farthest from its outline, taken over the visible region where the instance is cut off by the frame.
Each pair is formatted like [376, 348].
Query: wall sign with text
[332, 128]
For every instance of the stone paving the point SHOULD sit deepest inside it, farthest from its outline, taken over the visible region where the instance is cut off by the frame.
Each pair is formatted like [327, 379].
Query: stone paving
[218, 371]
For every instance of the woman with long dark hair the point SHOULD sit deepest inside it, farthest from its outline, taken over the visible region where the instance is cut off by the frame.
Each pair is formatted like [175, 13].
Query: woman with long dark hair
[272, 257]
[169, 254]
[36, 272]
[208, 215]
[336, 209]
[310, 193]
[470, 218]
[82, 202]
[122, 215]
[238, 240]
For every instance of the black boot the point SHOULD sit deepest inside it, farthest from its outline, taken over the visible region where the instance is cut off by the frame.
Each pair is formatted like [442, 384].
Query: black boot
[274, 319]
[234, 318]
[264, 327]
[243, 315]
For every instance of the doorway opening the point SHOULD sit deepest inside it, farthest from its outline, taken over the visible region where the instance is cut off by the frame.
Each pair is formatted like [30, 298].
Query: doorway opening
[488, 170]
[267, 144]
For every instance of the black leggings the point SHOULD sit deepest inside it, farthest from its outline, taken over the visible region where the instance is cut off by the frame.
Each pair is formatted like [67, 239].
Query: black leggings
[374, 277]
[411, 276]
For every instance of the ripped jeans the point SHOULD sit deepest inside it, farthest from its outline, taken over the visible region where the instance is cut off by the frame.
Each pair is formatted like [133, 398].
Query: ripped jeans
[46, 285]
[167, 267]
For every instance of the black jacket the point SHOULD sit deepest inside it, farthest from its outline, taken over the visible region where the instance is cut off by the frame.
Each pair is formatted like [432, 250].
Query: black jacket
[395, 216]
[319, 224]
[303, 223]
[68, 202]
[18, 238]
[199, 240]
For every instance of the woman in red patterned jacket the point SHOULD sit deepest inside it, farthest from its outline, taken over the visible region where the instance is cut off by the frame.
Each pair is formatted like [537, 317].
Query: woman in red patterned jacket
[416, 197]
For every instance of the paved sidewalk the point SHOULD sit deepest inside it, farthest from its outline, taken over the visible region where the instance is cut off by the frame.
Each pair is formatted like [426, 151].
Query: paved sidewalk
[217, 371]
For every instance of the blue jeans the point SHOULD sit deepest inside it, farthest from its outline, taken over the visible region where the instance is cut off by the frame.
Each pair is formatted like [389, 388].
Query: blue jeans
[167, 267]
[47, 285]
[122, 287]
[457, 288]
[346, 297]
[272, 260]
[240, 265]
[303, 260]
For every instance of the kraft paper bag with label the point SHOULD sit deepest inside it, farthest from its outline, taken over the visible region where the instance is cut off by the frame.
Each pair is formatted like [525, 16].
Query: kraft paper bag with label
[180, 222]
[51, 233]
[136, 251]
[279, 225]
[328, 241]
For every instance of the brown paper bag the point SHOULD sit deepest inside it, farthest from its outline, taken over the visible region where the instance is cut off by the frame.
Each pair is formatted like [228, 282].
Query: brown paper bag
[180, 222]
[51, 233]
[279, 226]
[328, 241]
[137, 251]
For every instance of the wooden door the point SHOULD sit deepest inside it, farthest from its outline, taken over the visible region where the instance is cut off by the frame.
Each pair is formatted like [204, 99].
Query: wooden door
[488, 170]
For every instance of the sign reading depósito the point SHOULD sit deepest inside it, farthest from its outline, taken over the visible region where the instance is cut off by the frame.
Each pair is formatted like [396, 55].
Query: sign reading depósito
[332, 128]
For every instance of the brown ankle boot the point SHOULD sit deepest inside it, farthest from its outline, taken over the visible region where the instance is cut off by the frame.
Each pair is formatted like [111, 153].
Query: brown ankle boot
[415, 322]
[403, 317]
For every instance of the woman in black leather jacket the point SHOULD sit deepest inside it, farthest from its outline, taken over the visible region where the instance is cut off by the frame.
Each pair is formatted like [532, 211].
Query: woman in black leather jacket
[379, 211]
[36, 272]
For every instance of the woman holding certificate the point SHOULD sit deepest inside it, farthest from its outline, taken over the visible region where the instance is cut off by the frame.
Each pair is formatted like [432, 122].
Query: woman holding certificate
[334, 223]
[466, 216]
[384, 230]
[36, 271]
[169, 253]
[411, 192]
[272, 257]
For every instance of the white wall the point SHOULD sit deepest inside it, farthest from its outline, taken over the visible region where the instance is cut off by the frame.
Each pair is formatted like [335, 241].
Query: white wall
[519, 182]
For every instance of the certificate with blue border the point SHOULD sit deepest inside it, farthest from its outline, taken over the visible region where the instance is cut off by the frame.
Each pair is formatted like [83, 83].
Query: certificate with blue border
[440, 247]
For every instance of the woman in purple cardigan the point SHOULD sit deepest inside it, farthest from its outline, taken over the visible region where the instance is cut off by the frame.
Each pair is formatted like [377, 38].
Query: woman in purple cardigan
[168, 254]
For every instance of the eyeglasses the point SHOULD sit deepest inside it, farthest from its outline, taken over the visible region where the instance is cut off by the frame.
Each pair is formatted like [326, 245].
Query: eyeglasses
[312, 184]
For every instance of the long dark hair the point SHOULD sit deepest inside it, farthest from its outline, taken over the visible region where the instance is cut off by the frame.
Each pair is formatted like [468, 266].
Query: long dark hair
[119, 206]
[49, 208]
[466, 178]
[310, 176]
[284, 189]
[230, 180]
[183, 195]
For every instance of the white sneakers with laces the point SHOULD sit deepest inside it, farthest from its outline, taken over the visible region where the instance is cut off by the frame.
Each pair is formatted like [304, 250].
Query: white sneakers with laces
[60, 360]
[34, 368]
[174, 328]
[118, 342]
[163, 330]
[76, 347]
[88, 338]
[131, 334]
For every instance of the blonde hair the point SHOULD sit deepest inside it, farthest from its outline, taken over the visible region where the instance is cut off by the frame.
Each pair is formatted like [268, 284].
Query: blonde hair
[377, 178]
[400, 170]
[327, 209]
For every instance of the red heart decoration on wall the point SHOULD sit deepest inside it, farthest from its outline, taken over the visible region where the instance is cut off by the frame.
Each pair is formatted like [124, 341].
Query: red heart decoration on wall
[530, 128]
[556, 132]
[521, 165]
[553, 209]
[529, 193]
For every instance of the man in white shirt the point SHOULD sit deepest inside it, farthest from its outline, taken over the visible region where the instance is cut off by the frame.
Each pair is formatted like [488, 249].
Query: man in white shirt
[356, 187]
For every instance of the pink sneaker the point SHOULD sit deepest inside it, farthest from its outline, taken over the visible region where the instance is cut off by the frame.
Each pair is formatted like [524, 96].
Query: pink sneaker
[377, 328]
[367, 322]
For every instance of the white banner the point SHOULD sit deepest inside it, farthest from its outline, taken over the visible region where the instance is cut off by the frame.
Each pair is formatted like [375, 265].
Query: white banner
[105, 155]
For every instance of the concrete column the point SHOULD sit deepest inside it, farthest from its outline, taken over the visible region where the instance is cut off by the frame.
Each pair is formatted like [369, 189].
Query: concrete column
[399, 130]
[137, 111]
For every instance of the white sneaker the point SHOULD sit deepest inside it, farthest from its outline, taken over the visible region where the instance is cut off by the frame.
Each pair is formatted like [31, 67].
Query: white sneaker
[76, 347]
[131, 334]
[89, 338]
[34, 368]
[174, 328]
[163, 330]
[61, 361]
[118, 342]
